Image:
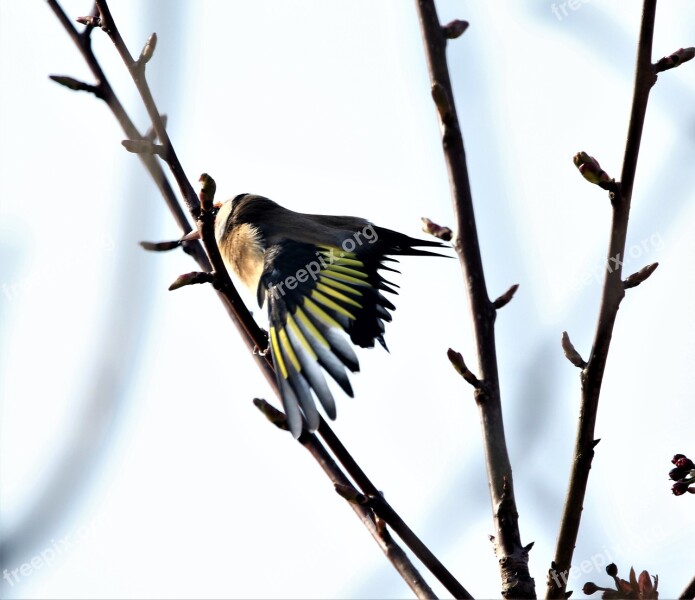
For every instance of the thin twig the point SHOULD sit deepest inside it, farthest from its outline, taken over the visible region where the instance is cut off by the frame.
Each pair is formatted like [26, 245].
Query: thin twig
[613, 293]
[347, 491]
[252, 334]
[390, 516]
[382, 537]
[689, 592]
[376, 501]
[384, 511]
[513, 557]
[104, 91]
[240, 316]
[137, 72]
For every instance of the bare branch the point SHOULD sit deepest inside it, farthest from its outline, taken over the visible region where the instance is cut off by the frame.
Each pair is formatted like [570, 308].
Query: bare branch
[137, 72]
[106, 93]
[613, 293]
[383, 510]
[516, 579]
[395, 553]
[151, 134]
[399, 526]
[689, 592]
[204, 211]
[442, 101]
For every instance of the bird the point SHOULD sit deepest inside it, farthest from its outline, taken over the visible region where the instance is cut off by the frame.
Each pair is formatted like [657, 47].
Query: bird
[319, 279]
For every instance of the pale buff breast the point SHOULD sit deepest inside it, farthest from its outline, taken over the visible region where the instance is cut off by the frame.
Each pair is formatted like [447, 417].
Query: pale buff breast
[247, 259]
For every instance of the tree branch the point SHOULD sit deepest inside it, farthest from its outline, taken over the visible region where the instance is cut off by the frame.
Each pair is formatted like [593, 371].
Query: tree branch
[390, 516]
[689, 592]
[136, 69]
[613, 293]
[104, 91]
[211, 262]
[513, 556]
[381, 535]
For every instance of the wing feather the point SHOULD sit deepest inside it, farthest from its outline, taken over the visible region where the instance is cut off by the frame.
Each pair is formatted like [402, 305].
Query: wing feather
[309, 320]
[310, 367]
[289, 399]
[322, 300]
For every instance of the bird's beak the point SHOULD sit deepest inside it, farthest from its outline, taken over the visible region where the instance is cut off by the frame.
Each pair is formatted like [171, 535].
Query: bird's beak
[191, 236]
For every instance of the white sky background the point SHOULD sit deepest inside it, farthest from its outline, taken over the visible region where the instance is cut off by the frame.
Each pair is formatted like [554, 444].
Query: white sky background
[181, 489]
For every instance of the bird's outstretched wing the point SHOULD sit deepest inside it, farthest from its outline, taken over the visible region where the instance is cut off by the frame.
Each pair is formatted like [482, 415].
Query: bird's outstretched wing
[316, 295]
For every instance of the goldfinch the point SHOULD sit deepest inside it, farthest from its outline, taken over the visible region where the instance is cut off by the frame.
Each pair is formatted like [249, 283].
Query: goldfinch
[318, 276]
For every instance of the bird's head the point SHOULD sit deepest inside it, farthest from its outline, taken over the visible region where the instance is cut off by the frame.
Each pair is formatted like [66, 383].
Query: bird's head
[225, 213]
